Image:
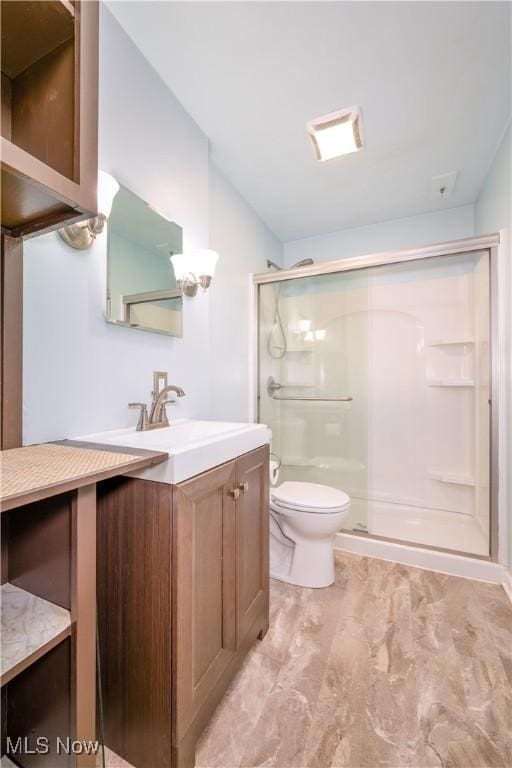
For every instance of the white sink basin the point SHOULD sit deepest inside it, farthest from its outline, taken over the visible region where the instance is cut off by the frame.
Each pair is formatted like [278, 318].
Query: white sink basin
[193, 446]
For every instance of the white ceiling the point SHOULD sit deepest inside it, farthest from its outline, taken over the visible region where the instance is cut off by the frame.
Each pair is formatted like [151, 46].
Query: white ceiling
[432, 80]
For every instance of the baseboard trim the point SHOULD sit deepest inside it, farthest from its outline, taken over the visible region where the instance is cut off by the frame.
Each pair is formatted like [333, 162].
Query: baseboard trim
[507, 583]
[431, 560]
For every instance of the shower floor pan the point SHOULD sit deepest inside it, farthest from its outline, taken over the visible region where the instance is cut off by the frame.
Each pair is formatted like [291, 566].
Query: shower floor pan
[417, 525]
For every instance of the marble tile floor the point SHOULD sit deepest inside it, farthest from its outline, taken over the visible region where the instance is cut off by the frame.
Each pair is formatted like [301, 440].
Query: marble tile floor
[390, 667]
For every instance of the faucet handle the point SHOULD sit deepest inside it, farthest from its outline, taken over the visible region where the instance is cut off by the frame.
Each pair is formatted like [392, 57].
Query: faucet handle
[159, 377]
[143, 418]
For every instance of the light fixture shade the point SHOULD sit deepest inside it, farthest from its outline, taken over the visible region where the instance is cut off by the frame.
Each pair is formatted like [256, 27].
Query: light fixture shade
[204, 262]
[335, 134]
[182, 265]
[107, 190]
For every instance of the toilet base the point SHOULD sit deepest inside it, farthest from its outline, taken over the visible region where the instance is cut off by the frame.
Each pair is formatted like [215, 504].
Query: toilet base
[305, 565]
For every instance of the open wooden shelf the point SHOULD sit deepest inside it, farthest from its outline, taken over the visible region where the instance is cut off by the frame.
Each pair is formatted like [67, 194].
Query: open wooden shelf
[46, 25]
[49, 114]
[31, 627]
[25, 201]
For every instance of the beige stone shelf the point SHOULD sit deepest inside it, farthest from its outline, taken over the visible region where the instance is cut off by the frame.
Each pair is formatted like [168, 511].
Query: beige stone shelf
[30, 627]
[6, 763]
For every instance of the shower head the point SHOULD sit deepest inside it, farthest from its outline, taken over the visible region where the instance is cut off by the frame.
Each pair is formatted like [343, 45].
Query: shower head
[302, 263]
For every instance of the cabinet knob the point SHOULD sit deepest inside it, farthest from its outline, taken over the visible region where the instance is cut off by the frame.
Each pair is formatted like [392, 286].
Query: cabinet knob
[244, 487]
[234, 492]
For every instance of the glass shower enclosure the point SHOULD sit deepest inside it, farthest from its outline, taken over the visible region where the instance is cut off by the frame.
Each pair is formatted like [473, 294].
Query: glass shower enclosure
[376, 380]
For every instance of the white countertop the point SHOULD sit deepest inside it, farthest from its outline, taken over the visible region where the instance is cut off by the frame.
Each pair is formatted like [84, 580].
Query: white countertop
[193, 445]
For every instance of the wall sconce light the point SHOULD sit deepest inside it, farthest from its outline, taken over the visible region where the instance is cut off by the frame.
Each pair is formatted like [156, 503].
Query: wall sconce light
[82, 235]
[194, 270]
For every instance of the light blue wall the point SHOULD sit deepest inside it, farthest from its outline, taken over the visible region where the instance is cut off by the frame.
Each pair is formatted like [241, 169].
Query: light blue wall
[245, 244]
[79, 371]
[493, 207]
[409, 232]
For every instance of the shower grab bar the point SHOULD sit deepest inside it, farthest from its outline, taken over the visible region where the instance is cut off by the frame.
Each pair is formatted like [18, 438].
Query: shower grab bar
[313, 399]
[273, 386]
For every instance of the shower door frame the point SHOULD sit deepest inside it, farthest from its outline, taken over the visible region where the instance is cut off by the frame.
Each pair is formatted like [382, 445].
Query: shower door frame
[486, 244]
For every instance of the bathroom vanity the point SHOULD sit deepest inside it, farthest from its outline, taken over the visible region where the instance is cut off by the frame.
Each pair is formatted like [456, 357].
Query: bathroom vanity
[182, 553]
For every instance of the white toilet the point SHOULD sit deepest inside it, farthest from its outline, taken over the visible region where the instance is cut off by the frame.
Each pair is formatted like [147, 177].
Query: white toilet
[303, 520]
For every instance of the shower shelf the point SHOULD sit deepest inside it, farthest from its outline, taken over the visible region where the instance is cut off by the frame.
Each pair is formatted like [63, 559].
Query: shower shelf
[449, 342]
[450, 383]
[453, 478]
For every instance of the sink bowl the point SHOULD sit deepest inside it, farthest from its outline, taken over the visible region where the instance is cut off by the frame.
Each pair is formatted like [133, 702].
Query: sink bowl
[193, 445]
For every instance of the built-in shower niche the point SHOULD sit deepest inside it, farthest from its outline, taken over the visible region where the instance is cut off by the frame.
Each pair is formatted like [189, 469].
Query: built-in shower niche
[450, 363]
[451, 422]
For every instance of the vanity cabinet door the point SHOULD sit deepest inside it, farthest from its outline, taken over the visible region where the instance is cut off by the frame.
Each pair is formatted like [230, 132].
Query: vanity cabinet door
[203, 589]
[252, 567]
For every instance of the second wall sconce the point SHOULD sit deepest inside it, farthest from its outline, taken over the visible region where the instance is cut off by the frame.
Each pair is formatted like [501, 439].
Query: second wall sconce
[82, 235]
[194, 269]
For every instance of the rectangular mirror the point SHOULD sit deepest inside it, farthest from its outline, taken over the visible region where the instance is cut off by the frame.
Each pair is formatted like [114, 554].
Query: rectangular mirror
[141, 288]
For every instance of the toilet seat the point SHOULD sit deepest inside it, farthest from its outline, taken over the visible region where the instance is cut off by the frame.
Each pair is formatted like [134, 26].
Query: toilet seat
[308, 497]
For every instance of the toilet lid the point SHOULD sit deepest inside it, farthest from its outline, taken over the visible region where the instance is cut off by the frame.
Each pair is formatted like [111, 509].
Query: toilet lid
[309, 497]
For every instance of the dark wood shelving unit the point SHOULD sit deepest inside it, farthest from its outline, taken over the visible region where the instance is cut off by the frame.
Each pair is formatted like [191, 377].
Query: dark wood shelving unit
[48, 178]
[48, 616]
[48, 592]
[49, 64]
[48, 153]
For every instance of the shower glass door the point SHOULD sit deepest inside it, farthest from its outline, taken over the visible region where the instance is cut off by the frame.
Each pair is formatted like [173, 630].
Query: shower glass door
[376, 381]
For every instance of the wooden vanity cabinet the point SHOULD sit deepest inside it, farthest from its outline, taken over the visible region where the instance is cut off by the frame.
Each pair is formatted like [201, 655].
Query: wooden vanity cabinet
[204, 589]
[196, 556]
[252, 566]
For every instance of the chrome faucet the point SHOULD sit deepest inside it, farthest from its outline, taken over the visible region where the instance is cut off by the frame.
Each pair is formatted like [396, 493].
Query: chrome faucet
[157, 416]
